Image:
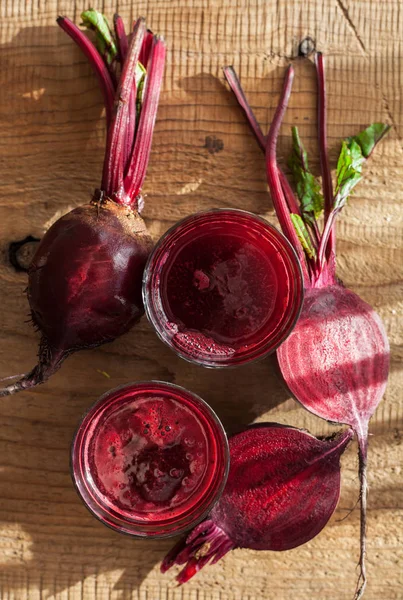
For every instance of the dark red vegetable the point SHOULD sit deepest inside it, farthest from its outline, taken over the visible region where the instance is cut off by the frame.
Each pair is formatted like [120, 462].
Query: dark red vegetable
[85, 279]
[283, 486]
[336, 360]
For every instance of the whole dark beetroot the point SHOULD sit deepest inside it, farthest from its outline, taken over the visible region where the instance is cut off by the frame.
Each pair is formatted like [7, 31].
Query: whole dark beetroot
[85, 279]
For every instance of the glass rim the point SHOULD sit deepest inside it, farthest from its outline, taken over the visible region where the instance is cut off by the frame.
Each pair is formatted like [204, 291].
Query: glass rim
[149, 534]
[149, 302]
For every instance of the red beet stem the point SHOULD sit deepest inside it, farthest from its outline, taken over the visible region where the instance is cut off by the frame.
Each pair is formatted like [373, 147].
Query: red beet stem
[113, 173]
[235, 85]
[289, 194]
[142, 146]
[276, 190]
[98, 65]
[330, 248]
[239, 94]
[121, 37]
[327, 241]
[131, 119]
[146, 48]
[281, 192]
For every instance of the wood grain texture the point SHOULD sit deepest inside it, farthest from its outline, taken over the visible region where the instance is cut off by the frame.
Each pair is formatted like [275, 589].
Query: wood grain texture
[51, 148]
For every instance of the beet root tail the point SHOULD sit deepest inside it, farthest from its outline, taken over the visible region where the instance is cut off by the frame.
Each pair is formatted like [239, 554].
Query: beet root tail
[362, 457]
[49, 362]
[206, 543]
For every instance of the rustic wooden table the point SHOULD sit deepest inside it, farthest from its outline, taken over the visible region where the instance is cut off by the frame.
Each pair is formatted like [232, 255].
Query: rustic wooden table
[52, 136]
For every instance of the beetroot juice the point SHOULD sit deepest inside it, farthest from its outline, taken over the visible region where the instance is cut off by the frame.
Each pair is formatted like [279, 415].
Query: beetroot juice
[150, 459]
[223, 287]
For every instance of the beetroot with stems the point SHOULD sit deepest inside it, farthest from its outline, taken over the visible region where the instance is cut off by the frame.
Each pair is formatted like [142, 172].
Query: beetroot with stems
[336, 360]
[85, 279]
[283, 486]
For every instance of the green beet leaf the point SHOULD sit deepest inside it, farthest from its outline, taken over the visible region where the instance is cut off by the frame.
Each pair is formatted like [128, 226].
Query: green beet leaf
[307, 186]
[368, 139]
[92, 19]
[303, 235]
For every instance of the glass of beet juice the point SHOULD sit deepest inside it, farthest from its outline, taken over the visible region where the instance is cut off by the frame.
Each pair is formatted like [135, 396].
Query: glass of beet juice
[223, 288]
[150, 459]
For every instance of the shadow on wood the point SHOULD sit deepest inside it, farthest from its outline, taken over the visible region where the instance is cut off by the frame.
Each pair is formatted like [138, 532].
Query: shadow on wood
[50, 112]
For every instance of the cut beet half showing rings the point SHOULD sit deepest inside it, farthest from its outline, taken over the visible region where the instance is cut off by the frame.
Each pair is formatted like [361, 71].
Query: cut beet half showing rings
[223, 288]
[150, 459]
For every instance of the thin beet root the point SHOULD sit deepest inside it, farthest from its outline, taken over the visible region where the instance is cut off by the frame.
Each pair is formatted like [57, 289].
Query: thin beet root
[336, 360]
[283, 486]
[85, 279]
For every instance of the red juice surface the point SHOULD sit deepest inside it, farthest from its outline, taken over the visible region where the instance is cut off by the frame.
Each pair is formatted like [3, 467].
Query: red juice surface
[150, 456]
[226, 286]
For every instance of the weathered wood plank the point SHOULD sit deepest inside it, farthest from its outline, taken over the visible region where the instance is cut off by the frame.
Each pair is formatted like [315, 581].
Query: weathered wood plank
[51, 149]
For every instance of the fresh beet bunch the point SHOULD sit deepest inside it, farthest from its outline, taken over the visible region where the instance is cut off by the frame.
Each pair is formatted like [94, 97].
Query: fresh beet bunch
[283, 486]
[85, 279]
[336, 360]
